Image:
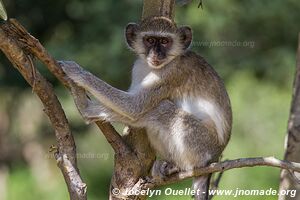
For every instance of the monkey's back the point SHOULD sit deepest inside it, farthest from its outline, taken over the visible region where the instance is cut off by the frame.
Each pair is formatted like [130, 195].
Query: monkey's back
[202, 92]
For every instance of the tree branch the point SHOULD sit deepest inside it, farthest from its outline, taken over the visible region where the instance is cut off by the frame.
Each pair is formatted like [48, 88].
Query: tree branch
[292, 146]
[218, 167]
[164, 8]
[134, 156]
[3, 14]
[31, 44]
[66, 154]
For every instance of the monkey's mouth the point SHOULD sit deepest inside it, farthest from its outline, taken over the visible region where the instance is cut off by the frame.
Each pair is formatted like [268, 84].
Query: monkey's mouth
[156, 63]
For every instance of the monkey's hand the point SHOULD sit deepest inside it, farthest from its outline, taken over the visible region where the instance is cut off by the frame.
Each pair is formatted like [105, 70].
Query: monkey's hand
[74, 72]
[90, 110]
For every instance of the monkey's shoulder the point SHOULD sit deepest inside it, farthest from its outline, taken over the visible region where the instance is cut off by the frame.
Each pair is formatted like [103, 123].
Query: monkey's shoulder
[196, 65]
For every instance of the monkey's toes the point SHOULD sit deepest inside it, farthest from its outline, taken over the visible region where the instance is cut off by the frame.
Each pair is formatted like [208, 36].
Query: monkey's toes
[168, 168]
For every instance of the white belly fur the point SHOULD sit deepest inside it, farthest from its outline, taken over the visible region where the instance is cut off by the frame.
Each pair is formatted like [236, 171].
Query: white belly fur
[204, 109]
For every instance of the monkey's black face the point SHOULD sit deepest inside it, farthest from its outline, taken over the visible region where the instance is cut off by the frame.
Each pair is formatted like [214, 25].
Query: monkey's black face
[157, 49]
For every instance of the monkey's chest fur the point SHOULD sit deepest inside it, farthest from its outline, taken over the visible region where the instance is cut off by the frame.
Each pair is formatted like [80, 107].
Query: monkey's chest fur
[188, 131]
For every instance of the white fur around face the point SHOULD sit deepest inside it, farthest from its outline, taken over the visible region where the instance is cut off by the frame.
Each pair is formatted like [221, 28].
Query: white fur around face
[142, 76]
[204, 109]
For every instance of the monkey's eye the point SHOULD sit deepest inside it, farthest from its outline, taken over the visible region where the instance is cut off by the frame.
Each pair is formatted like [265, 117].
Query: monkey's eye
[164, 41]
[150, 40]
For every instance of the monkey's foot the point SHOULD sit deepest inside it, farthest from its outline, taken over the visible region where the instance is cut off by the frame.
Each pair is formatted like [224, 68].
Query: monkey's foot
[162, 169]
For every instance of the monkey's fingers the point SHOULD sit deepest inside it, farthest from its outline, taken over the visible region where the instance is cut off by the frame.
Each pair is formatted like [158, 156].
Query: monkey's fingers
[74, 73]
[70, 68]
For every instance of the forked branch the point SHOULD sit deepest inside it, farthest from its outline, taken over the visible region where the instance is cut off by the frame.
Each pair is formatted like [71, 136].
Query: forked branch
[66, 151]
[33, 46]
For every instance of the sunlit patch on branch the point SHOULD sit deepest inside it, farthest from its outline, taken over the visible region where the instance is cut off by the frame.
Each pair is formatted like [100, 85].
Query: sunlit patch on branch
[3, 14]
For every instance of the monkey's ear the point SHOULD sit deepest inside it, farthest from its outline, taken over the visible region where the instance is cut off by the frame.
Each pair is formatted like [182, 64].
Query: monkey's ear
[186, 36]
[130, 33]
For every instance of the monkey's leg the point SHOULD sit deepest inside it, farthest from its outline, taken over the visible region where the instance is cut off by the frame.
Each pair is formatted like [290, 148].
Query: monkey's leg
[196, 136]
[94, 111]
[201, 186]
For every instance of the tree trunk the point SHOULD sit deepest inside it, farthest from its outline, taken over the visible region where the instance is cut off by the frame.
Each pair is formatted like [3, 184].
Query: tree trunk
[292, 148]
[131, 166]
[159, 8]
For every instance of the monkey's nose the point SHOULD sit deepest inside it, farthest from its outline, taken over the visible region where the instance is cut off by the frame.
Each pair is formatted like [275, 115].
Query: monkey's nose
[160, 57]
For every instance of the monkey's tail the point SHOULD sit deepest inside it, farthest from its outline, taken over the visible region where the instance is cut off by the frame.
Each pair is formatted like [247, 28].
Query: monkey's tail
[201, 186]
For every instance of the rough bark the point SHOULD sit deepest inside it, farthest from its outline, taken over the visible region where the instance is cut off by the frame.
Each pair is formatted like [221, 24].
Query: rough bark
[66, 150]
[131, 166]
[134, 164]
[159, 8]
[292, 146]
[3, 14]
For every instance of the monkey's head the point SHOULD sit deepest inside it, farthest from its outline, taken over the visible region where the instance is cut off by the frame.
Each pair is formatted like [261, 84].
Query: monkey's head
[157, 40]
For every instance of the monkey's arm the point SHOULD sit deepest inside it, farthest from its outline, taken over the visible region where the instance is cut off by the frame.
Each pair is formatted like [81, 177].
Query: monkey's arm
[126, 104]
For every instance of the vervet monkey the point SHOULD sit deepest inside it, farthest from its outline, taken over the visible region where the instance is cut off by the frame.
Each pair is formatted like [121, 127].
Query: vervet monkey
[175, 94]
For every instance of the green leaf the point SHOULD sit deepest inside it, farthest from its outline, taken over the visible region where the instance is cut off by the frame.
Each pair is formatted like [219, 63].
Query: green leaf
[3, 14]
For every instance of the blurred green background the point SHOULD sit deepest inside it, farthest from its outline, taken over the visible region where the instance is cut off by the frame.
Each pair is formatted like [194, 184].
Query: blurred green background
[251, 43]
